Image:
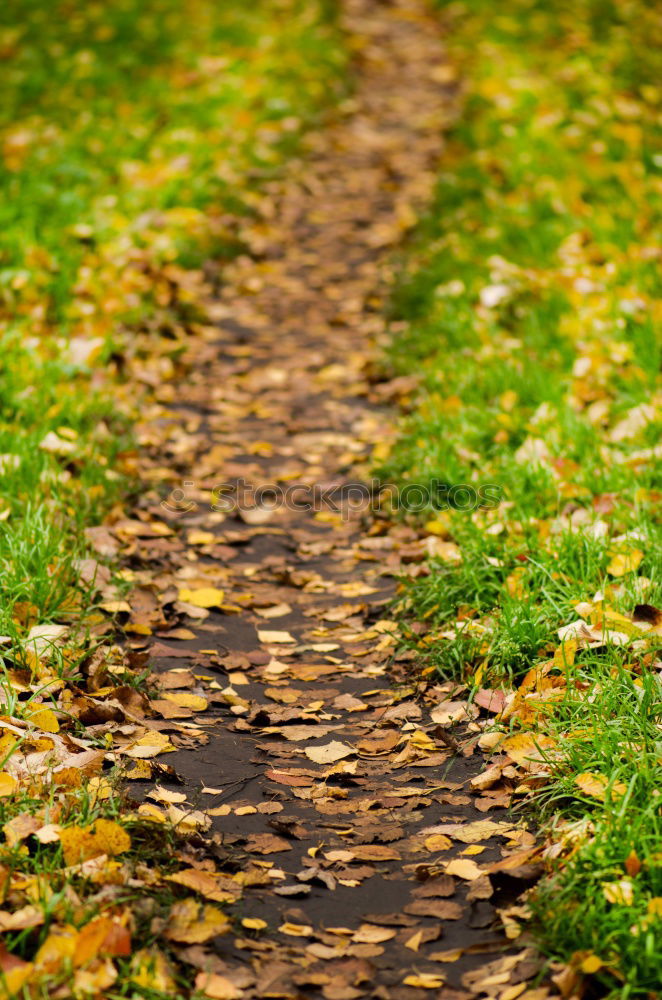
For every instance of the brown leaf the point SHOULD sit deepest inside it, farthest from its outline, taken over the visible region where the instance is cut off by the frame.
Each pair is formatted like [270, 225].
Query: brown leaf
[266, 843]
[442, 910]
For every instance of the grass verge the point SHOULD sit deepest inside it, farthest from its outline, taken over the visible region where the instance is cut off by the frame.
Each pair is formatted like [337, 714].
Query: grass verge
[530, 306]
[134, 137]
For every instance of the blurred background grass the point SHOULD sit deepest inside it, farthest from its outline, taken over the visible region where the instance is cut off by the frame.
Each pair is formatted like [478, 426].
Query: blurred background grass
[132, 135]
[529, 304]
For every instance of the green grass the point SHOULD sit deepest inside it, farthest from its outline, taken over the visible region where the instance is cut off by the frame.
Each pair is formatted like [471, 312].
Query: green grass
[529, 303]
[131, 134]
[135, 137]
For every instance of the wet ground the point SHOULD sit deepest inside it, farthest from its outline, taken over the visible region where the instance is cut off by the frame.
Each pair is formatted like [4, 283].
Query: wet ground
[336, 781]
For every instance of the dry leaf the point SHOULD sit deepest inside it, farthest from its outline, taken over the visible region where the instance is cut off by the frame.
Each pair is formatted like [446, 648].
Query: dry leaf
[102, 837]
[203, 597]
[203, 882]
[269, 636]
[329, 753]
[8, 784]
[621, 892]
[625, 562]
[463, 868]
[596, 785]
[191, 923]
[217, 987]
[424, 981]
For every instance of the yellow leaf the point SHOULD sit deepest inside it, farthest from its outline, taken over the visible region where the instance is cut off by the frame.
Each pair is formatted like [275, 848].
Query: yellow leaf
[591, 964]
[625, 562]
[68, 777]
[296, 930]
[217, 987]
[372, 934]
[201, 538]
[191, 923]
[188, 821]
[329, 753]
[111, 837]
[438, 842]
[270, 635]
[203, 597]
[149, 745]
[464, 868]
[451, 955]
[138, 629]
[414, 942]
[441, 525]
[151, 813]
[14, 979]
[58, 946]
[182, 698]
[166, 795]
[101, 936]
[102, 837]
[564, 655]
[204, 883]
[8, 784]
[114, 607]
[524, 747]
[43, 718]
[96, 979]
[620, 892]
[508, 399]
[56, 445]
[424, 981]
[439, 549]
[596, 785]
[151, 970]
[254, 923]
[512, 992]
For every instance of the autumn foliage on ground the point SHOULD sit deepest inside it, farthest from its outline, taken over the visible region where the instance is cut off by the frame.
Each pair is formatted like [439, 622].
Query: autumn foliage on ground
[133, 137]
[531, 306]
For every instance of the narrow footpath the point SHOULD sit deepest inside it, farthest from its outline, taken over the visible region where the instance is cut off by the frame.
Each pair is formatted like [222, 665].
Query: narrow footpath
[324, 784]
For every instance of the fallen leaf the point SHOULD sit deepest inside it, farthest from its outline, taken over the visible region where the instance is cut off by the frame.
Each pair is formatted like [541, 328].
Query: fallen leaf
[329, 753]
[464, 868]
[424, 981]
[102, 837]
[620, 892]
[217, 987]
[191, 923]
[203, 597]
[151, 970]
[268, 636]
[438, 842]
[296, 930]
[625, 562]
[254, 923]
[596, 785]
[525, 748]
[8, 784]
[204, 883]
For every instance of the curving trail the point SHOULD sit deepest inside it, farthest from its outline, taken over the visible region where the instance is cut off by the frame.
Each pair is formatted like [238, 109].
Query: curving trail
[331, 777]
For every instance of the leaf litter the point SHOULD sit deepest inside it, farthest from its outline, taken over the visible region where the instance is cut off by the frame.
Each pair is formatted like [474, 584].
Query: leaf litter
[333, 856]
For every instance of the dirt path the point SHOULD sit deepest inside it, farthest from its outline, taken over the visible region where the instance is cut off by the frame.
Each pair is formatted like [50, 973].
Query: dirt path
[331, 777]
